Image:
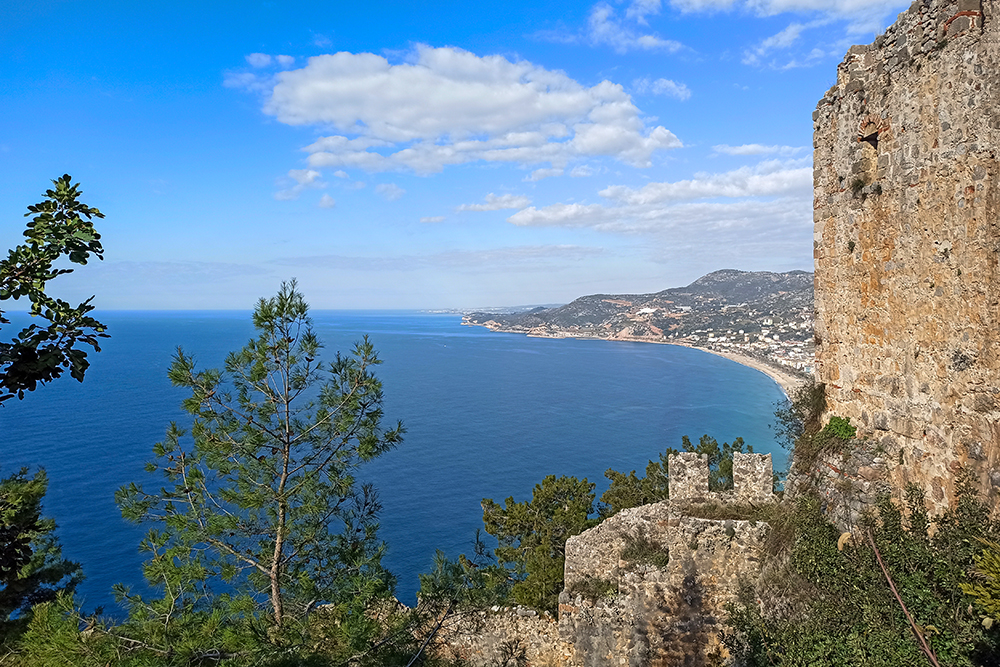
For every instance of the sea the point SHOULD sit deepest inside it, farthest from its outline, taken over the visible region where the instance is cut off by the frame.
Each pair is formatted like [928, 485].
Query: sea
[487, 415]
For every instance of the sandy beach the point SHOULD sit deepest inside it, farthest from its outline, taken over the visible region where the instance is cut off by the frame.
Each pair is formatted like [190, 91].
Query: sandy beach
[786, 381]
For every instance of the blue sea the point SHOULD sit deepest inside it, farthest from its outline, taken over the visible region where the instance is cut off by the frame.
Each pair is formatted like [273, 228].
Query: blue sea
[488, 415]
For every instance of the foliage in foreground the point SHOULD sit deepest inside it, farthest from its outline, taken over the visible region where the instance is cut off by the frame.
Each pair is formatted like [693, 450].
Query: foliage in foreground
[61, 227]
[831, 603]
[532, 536]
[32, 569]
[263, 547]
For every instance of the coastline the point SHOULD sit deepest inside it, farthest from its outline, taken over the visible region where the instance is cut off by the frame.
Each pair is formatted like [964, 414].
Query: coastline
[787, 381]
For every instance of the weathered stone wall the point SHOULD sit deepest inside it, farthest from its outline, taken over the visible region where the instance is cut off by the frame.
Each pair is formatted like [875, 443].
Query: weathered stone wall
[668, 614]
[484, 638]
[907, 231]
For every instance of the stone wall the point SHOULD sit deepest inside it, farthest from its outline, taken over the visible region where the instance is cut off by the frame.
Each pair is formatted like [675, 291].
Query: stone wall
[907, 233]
[488, 637]
[622, 609]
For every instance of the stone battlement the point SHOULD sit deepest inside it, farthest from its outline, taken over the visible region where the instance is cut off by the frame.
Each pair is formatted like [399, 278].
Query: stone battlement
[753, 478]
[664, 613]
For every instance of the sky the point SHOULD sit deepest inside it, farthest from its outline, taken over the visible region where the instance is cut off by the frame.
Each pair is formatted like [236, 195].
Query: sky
[419, 155]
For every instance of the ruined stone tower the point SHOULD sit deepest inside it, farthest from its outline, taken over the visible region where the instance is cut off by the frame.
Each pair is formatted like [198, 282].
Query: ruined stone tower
[907, 235]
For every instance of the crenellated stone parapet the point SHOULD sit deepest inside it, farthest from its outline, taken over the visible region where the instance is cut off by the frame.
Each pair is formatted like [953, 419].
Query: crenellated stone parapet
[666, 613]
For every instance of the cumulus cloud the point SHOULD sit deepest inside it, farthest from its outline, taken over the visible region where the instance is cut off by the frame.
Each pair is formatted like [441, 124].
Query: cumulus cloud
[326, 201]
[285, 61]
[493, 202]
[447, 106]
[259, 59]
[389, 191]
[604, 28]
[758, 149]
[768, 179]
[662, 87]
[302, 179]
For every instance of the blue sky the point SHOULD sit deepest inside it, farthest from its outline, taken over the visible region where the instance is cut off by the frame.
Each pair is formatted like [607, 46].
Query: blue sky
[421, 155]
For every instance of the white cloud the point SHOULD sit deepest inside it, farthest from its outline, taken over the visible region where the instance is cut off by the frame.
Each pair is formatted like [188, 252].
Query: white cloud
[446, 106]
[541, 174]
[862, 16]
[662, 87]
[259, 59]
[582, 171]
[433, 218]
[764, 204]
[758, 149]
[285, 61]
[340, 173]
[604, 28]
[768, 179]
[389, 191]
[563, 215]
[326, 201]
[493, 202]
[302, 179]
[640, 9]
[779, 41]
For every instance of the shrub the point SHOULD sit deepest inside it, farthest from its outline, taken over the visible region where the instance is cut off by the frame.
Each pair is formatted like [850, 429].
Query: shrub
[593, 588]
[644, 551]
[836, 607]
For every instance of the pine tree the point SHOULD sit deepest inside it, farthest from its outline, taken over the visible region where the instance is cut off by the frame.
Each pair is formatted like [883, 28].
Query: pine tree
[261, 518]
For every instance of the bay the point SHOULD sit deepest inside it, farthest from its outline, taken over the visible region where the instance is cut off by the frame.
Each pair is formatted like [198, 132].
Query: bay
[488, 415]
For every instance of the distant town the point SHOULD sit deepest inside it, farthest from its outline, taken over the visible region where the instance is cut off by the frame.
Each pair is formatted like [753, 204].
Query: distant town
[762, 315]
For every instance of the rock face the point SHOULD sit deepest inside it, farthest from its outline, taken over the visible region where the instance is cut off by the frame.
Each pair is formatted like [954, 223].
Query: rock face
[907, 233]
[649, 585]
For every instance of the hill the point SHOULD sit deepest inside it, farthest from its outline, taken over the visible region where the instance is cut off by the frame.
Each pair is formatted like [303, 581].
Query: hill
[759, 314]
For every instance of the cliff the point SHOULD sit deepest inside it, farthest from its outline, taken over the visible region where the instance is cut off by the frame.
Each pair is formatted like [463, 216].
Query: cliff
[906, 241]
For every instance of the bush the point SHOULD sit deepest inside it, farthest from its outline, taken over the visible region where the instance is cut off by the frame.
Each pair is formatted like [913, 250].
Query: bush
[593, 588]
[835, 606]
[644, 551]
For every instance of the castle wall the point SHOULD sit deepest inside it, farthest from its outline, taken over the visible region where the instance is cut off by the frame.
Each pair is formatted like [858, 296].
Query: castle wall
[664, 614]
[907, 234]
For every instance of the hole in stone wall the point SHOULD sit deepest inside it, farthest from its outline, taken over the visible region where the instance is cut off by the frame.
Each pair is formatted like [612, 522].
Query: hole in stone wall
[871, 139]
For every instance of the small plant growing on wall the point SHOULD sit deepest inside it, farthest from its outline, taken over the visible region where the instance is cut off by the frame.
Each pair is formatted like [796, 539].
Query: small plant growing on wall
[857, 185]
[850, 246]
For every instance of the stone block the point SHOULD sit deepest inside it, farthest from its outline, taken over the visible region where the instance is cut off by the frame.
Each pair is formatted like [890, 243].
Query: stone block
[688, 475]
[753, 477]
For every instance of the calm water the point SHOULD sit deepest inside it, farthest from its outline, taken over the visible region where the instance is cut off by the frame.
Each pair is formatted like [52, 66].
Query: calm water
[487, 415]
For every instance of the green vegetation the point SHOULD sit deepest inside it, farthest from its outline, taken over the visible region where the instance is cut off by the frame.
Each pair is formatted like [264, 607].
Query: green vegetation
[532, 536]
[593, 588]
[264, 549]
[32, 569]
[828, 601]
[61, 227]
[644, 551]
[857, 185]
[798, 427]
